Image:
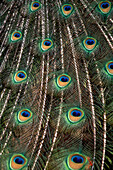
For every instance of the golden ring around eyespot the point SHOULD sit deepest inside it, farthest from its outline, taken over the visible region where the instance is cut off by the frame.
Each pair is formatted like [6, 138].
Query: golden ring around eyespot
[76, 164]
[22, 118]
[89, 43]
[68, 11]
[46, 44]
[107, 9]
[18, 78]
[75, 119]
[109, 67]
[16, 35]
[33, 8]
[17, 161]
[63, 80]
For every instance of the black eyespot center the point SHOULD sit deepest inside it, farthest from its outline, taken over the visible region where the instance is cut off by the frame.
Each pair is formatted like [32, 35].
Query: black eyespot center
[17, 35]
[75, 113]
[47, 43]
[21, 75]
[25, 114]
[67, 8]
[64, 79]
[19, 160]
[105, 5]
[77, 159]
[111, 66]
[36, 4]
[90, 42]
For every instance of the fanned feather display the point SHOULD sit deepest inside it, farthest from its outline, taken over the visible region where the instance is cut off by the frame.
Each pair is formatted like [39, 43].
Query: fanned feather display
[56, 83]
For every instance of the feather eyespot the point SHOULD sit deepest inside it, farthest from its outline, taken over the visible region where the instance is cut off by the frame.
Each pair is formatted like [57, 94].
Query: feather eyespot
[109, 67]
[78, 161]
[90, 43]
[63, 80]
[24, 115]
[20, 76]
[75, 115]
[18, 161]
[46, 45]
[105, 6]
[35, 6]
[16, 35]
[67, 9]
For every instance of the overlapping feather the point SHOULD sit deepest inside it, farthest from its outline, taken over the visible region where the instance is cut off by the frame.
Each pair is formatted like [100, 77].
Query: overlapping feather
[48, 139]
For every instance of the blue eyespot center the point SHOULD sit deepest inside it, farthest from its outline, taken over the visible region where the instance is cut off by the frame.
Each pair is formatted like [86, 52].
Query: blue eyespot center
[17, 35]
[36, 5]
[67, 8]
[77, 159]
[105, 5]
[64, 79]
[21, 75]
[47, 43]
[76, 113]
[25, 114]
[19, 160]
[110, 66]
[90, 42]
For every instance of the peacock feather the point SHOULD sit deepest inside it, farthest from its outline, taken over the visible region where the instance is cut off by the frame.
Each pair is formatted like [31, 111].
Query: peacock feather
[56, 83]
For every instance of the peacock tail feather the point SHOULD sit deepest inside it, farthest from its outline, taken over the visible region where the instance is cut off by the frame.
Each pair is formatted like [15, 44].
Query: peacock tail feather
[56, 83]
